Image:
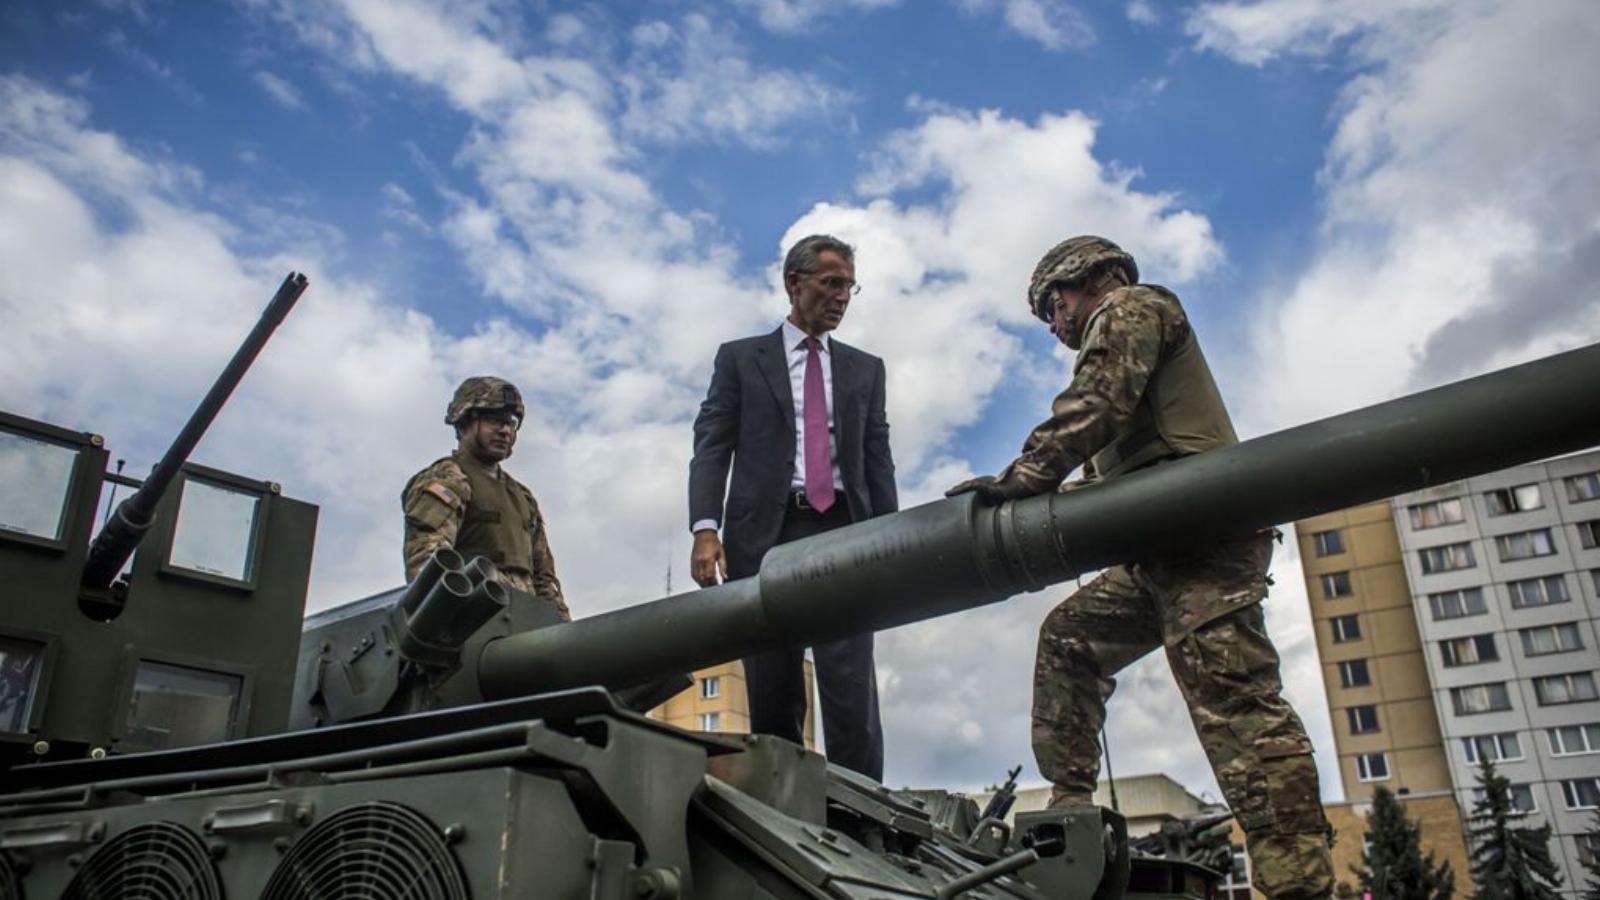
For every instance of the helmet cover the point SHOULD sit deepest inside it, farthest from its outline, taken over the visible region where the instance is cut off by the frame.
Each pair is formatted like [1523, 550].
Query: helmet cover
[1071, 260]
[483, 393]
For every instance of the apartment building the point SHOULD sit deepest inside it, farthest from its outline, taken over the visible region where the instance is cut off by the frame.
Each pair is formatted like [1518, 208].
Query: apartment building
[1458, 623]
[1505, 576]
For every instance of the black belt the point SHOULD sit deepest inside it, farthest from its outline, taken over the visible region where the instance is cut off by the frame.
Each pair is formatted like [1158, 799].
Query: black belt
[798, 500]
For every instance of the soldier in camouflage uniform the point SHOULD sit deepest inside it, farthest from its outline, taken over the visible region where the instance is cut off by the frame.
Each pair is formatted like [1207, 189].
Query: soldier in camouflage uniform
[468, 502]
[1142, 394]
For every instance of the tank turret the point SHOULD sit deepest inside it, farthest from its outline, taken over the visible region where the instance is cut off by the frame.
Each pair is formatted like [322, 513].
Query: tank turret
[194, 640]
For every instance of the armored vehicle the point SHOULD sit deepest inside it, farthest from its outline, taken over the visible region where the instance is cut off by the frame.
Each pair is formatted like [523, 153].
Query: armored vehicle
[444, 741]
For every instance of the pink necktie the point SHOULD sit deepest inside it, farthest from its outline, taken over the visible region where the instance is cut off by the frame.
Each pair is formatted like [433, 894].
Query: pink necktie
[819, 468]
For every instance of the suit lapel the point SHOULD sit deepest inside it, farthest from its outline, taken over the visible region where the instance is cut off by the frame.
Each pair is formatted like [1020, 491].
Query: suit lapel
[844, 383]
[773, 361]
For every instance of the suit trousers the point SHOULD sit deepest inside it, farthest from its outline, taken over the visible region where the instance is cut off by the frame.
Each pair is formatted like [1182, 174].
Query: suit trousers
[847, 684]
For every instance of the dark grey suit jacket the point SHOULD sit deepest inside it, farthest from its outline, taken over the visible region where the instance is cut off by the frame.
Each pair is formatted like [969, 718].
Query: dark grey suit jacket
[747, 420]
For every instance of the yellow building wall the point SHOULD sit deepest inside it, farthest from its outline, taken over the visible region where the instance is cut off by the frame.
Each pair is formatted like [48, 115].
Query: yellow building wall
[1380, 596]
[1436, 814]
[730, 704]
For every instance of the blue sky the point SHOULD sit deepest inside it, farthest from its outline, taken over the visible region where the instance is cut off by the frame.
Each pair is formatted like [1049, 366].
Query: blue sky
[1355, 198]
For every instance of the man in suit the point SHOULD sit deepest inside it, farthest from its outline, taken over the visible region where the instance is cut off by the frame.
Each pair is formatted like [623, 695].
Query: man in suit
[800, 419]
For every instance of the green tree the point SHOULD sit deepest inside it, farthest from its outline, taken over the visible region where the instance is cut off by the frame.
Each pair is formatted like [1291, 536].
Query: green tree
[1509, 862]
[1393, 866]
[1592, 861]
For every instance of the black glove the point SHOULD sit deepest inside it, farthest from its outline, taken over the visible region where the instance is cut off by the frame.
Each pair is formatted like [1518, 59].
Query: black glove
[1013, 483]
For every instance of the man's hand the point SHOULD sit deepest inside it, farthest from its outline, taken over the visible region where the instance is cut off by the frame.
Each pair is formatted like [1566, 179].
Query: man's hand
[708, 564]
[1013, 483]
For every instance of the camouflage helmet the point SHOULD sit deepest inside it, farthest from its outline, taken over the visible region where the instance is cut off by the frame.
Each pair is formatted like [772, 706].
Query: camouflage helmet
[483, 392]
[1070, 260]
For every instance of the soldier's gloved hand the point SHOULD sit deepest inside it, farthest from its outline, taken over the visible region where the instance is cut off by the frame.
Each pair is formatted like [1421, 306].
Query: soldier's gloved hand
[987, 487]
[1013, 482]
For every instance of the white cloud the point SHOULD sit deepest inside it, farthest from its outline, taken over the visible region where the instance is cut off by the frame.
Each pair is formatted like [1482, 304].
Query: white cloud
[1143, 12]
[280, 90]
[1053, 24]
[694, 82]
[793, 15]
[1462, 223]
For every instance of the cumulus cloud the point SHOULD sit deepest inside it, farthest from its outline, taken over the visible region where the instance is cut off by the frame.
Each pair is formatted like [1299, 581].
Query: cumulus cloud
[1053, 24]
[1462, 219]
[693, 82]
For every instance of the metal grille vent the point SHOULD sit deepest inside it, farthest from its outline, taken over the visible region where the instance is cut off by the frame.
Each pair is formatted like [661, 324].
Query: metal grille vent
[154, 861]
[10, 882]
[370, 851]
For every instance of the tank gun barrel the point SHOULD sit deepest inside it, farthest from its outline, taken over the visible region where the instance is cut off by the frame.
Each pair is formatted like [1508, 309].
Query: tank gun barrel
[127, 525]
[957, 554]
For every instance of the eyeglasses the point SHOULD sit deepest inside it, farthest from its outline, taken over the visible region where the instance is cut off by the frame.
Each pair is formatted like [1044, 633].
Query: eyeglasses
[501, 420]
[834, 284]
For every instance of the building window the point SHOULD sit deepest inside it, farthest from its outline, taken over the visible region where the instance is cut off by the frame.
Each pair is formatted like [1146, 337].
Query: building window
[1372, 766]
[1573, 687]
[1345, 628]
[1353, 673]
[1594, 575]
[1336, 584]
[1362, 719]
[1525, 544]
[1583, 487]
[1439, 512]
[1561, 638]
[1544, 591]
[1328, 543]
[1589, 848]
[710, 687]
[1573, 740]
[1589, 534]
[1581, 793]
[1501, 747]
[1466, 651]
[1521, 797]
[1447, 558]
[1480, 698]
[1517, 499]
[711, 721]
[1237, 885]
[1457, 604]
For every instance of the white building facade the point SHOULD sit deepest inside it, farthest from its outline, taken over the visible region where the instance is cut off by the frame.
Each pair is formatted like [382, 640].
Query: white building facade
[1504, 571]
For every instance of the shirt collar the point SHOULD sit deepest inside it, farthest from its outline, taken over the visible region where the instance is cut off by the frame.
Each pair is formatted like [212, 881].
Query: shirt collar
[792, 336]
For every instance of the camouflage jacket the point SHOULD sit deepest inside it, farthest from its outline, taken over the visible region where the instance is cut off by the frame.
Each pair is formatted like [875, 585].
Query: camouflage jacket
[439, 499]
[1129, 333]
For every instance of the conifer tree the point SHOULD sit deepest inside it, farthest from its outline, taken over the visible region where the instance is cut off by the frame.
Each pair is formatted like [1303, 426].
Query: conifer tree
[1592, 863]
[1393, 866]
[1509, 862]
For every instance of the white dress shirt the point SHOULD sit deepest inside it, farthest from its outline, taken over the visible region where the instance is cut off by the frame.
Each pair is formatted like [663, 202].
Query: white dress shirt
[795, 349]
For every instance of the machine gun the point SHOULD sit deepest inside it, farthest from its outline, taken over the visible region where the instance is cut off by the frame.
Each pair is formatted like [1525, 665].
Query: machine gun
[190, 643]
[523, 776]
[126, 527]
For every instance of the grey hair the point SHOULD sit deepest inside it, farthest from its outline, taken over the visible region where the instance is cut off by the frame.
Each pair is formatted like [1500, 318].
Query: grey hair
[806, 254]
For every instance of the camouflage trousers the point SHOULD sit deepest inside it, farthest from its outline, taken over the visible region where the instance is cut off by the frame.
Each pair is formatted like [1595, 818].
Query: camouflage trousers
[1205, 609]
[524, 582]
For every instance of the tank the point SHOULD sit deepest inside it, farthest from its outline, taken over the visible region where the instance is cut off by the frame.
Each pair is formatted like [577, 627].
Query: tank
[448, 743]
